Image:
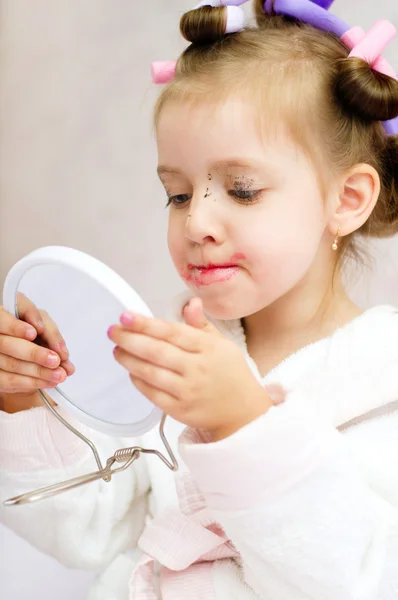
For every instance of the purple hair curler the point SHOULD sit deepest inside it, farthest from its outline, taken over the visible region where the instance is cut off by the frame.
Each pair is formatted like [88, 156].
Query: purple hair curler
[315, 13]
[326, 4]
[309, 12]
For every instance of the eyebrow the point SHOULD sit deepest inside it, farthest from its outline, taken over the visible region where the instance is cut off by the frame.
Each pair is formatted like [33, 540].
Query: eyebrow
[216, 166]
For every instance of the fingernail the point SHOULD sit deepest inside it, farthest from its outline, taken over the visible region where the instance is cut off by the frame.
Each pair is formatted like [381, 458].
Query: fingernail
[109, 332]
[63, 348]
[126, 318]
[30, 332]
[52, 358]
[69, 367]
[58, 375]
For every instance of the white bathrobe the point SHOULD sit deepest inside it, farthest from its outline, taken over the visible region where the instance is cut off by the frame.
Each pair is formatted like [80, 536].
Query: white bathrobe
[301, 504]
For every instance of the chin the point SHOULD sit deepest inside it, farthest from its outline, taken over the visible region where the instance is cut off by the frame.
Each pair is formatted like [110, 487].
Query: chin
[228, 308]
[222, 309]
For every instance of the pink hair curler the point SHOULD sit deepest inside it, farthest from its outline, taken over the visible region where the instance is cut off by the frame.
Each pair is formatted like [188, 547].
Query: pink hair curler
[369, 46]
[163, 71]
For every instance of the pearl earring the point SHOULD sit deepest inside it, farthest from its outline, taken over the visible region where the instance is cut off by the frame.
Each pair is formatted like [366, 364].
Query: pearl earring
[334, 245]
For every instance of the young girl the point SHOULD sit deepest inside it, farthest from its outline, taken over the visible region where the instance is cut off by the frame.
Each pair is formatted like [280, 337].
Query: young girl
[277, 148]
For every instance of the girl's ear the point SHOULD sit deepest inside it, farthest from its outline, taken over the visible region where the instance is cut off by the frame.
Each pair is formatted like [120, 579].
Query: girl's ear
[359, 190]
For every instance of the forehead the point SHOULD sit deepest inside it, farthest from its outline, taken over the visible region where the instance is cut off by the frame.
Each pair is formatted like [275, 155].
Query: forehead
[189, 131]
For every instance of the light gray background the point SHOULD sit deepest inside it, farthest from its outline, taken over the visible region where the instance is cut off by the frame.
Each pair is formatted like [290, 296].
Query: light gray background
[77, 168]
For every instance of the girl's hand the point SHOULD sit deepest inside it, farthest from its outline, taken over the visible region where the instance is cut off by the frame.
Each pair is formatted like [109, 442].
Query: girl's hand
[26, 366]
[190, 371]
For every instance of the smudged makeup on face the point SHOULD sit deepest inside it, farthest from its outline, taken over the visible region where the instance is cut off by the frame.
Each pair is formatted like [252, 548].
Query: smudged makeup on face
[268, 205]
[244, 181]
[243, 189]
[205, 275]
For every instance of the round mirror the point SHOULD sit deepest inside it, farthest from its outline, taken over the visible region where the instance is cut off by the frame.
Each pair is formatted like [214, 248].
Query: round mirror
[84, 297]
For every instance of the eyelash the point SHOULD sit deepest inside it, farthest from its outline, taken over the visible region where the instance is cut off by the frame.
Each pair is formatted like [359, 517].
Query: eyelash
[247, 200]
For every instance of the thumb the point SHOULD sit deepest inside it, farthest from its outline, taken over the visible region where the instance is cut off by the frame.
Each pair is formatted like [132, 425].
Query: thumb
[194, 315]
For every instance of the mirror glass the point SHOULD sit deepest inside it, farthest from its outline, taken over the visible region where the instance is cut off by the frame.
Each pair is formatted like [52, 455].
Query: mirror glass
[83, 310]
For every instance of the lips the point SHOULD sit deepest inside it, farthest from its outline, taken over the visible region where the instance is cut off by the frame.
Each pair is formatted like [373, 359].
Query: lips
[231, 263]
[210, 273]
[211, 266]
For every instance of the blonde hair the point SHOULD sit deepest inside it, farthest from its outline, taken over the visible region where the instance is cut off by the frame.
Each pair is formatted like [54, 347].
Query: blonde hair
[332, 105]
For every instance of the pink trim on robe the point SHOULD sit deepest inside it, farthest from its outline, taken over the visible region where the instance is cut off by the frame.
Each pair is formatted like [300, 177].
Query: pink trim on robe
[186, 543]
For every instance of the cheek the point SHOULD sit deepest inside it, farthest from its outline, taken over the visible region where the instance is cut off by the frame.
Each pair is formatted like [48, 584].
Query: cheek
[283, 246]
[175, 242]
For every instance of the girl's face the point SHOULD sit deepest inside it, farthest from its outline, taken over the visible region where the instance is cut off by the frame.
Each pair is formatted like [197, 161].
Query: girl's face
[254, 205]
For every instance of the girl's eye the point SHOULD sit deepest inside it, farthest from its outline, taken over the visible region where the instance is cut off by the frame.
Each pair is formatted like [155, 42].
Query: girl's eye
[245, 195]
[178, 200]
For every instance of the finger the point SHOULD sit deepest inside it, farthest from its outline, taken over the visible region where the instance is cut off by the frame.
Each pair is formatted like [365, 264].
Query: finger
[68, 366]
[179, 334]
[161, 379]
[150, 349]
[20, 391]
[159, 398]
[10, 383]
[52, 337]
[46, 328]
[20, 400]
[28, 351]
[194, 315]
[10, 325]
[21, 367]
[189, 312]
[29, 313]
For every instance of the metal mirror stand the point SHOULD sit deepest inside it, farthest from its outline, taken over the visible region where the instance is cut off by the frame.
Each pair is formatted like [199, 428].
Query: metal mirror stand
[124, 455]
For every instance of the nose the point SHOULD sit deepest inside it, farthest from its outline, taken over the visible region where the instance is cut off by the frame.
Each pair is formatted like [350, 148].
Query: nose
[204, 222]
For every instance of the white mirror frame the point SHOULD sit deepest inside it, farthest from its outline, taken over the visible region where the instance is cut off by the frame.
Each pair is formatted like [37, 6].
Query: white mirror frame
[117, 287]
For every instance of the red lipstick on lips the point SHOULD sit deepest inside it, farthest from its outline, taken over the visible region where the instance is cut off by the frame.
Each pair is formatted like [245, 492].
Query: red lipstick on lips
[213, 273]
